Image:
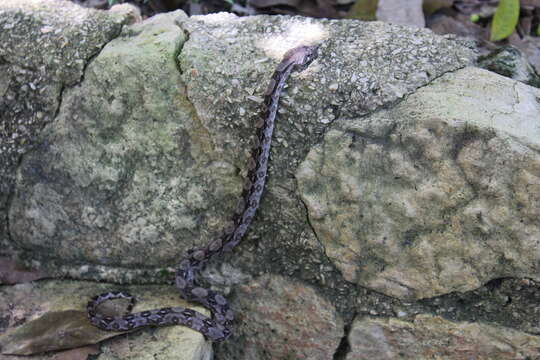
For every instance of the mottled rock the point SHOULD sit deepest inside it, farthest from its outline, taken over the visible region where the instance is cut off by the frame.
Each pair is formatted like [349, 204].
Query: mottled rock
[429, 337]
[132, 12]
[394, 12]
[146, 154]
[146, 158]
[510, 62]
[440, 193]
[122, 138]
[50, 315]
[512, 303]
[283, 319]
[44, 47]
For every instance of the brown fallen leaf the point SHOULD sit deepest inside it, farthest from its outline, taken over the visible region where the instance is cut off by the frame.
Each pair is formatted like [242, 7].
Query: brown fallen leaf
[55, 330]
[78, 353]
[13, 273]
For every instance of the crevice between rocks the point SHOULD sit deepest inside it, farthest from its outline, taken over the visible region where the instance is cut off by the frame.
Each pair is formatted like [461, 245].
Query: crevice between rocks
[344, 346]
[179, 47]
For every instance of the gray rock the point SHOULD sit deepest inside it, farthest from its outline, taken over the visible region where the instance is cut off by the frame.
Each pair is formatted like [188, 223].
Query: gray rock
[122, 139]
[394, 12]
[431, 337]
[511, 303]
[44, 47]
[440, 193]
[292, 322]
[510, 62]
[145, 155]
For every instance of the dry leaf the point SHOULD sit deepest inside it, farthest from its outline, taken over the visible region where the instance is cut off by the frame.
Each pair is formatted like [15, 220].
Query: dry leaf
[78, 353]
[11, 273]
[56, 330]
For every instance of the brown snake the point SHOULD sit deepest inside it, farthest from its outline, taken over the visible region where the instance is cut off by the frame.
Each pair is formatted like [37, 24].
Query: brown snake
[215, 327]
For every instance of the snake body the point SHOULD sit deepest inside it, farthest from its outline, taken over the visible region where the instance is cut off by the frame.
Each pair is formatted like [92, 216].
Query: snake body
[216, 327]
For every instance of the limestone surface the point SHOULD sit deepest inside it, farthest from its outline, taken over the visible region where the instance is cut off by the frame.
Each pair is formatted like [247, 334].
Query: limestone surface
[122, 139]
[284, 319]
[148, 152]
[431, 337]
[44, 47]
[440, 193]
[395, 169]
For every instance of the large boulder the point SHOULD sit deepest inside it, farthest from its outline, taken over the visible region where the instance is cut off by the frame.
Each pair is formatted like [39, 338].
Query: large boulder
[399, 175]
[44, 48]
[440, 193]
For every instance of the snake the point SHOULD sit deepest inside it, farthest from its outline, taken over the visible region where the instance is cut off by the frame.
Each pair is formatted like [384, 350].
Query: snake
[216, 327]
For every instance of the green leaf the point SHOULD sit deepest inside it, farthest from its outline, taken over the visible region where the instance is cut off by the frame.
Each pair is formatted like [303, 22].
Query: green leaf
[505, 19]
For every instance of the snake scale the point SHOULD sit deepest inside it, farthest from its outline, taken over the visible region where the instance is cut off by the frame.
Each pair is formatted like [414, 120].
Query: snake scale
[216, 327]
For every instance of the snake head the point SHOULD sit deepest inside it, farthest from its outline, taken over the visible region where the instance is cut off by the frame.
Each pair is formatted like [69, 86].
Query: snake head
[300, 57]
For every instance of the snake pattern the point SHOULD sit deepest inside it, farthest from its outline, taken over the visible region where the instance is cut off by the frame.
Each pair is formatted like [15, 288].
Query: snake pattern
[216, 327]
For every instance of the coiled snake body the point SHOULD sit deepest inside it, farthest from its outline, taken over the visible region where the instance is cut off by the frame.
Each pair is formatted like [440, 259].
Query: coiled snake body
[215, 327]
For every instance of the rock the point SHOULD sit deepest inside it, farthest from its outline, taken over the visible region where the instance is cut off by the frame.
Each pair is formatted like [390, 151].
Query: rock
[431, 337]
[283, 319]
[44, 47]
[146, 155]
[441, 193]
[146, 159]
[122, 147]
[459, 25]
[394, 12]
[131, 11]
[510, 62]
[529, 47]
[50, 315]
[511, 303]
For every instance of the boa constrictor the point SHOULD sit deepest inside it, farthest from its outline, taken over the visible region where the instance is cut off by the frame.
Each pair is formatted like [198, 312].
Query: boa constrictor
[215, 327]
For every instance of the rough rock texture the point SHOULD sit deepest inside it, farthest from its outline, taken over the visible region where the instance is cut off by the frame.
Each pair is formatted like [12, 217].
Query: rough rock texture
[44, 47]
[24, 303]
[394, 12]
[288, 327]
[510, 62]
[126, 149]
[440, 193]
[146, 156]
[130, 167]
[507, 302]
[429, 337]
